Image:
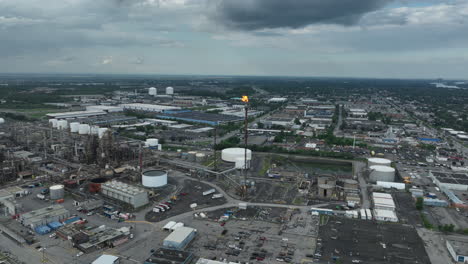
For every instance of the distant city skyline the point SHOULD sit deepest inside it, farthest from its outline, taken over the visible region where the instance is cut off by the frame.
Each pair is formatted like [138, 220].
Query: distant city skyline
[333, 38]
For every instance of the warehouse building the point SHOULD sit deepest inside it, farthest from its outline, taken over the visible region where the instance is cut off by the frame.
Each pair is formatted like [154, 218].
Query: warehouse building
[458, 248]
[77, 114]
[209, 261]
[44, 216]
[126, 193]
[385, 215]
[101, 237]
[12, 192]
[107, 259]
[201, 118]
[383, 201]
[172, 256]
[180, 238]
[149, 107]
[451, 181]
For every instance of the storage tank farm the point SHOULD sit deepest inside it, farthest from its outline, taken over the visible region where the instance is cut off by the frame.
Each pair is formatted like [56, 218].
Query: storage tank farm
[237, 156]
[57, 192]
[154, 178]
[74, 127]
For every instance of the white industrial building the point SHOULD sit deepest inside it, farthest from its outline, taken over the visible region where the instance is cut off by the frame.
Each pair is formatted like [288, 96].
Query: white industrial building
[451, 181]
[149, 107]
[76, 114]
[107, 259]
[44, 216]
[126, 193]
[383, 201]
[104, 108]
[277, 100]
[180, 238]
[385, 215]
[209, 261]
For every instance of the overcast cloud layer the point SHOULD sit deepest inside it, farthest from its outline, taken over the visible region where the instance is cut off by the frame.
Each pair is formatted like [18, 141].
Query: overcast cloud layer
[368, 38]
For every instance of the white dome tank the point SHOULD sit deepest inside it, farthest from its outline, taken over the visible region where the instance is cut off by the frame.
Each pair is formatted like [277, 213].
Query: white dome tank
[154, 178]
[381, 173]
[62, 124]
[2, 120]
[74, 127]
[240, 164]
[54, 122]
[152, 91]
[152, 142]
[57, 192]
[233, 154]
[102, 131]
[169, 90]
[84, 129]
[378, 161]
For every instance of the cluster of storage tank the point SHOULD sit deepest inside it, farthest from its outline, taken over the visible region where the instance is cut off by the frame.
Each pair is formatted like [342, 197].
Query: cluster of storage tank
[76, 127]
[193, 156]
[380, 170]
[154, 92]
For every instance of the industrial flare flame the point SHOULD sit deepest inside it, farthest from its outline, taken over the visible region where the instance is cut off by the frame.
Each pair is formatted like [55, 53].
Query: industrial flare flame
[245, 99]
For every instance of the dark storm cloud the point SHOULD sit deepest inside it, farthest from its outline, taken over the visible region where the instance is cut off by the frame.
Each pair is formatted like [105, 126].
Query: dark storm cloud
[264, 14]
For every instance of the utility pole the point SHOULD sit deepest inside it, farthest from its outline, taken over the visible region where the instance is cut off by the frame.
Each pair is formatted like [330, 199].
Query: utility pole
[245, 99]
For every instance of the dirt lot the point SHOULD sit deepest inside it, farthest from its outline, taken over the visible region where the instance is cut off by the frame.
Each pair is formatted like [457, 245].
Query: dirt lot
[406, 209]
[370, 242]
[194, 194]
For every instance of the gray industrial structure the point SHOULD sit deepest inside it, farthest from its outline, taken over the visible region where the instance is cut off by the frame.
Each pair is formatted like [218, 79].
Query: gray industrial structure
[44, 216]
[180, 238]
[126, 193]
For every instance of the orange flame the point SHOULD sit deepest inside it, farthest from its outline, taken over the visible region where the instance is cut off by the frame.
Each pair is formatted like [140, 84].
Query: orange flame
[245, 99]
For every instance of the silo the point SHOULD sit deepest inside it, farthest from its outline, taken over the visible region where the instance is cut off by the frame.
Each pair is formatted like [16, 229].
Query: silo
[152, 91]
[381, 173]
[83, 129]
[325, 190]
[169, 91]
[350, 184]
[378, 161]
[154, 178]
[57, 192]
[200, 157]
[62, 124]
[53, 122]
[233, 154]
[74, 127]
[191, 156]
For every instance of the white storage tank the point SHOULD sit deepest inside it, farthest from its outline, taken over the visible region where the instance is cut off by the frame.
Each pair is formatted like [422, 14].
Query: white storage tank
[83, 129]
[57, 192]
[94, 130]
[240, 163]
[154, 178]
[152, 91]
[169, 90]
[234, 154]
[378, 161]
[102, 131]
[53, 122]
[62, 124]
[2, 120]
[381, 173]
[152, 142]
[74, 127]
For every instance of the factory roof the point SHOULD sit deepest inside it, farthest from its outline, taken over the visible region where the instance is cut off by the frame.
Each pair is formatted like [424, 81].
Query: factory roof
[10, 191]
[459, 244]
[384, 213]
[149, 107]
[200, 117]
[200, 130]
[180, 234]
[122, 187]
[75, 114]
[53, 210]
[451, 178]
[209, 261]
[106, 259]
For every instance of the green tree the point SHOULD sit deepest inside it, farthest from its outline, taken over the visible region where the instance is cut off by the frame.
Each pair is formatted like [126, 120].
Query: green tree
[419, 203]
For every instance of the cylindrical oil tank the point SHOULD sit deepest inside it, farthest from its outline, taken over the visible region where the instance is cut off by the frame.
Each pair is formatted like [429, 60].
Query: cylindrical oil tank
[233, 154]
[350, 184]
[381, 173]
[330, 180]
[84, 129]
[95, 184]
[57, 192]
[62, 124]
[154, 178]
[325, 190]
[74, 127]
[191, 156]
[152, 142]
[153, 91]
[378, 161]
[240, 163]
[102, 131]
[169, 90]
[200, 157]
[2, 120]
[53, 122]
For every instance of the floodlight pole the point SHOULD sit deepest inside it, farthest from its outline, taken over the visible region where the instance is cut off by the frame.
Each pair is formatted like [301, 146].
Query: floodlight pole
[246, 123]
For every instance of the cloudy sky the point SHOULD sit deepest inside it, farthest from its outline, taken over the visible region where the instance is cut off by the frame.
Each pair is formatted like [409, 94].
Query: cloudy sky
[355, 38]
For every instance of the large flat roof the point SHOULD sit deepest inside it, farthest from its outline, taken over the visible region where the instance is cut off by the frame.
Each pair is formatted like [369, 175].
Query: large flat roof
[106, 259]
[76, 114]
[179, 234]
[452, 178]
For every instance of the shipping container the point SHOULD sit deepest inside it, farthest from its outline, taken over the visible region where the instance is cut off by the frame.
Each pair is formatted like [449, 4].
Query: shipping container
[217, 196]
[210, 191]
